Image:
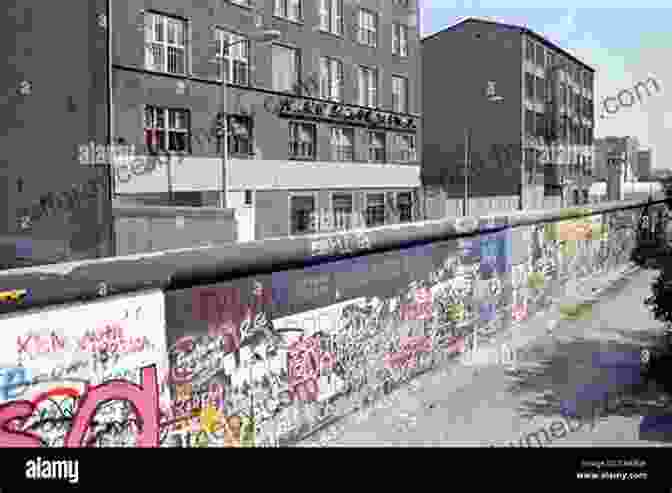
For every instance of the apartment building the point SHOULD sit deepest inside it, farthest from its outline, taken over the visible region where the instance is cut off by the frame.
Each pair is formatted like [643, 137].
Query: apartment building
[625, 147]
[325, 120]
[55, 98]
[525, 104]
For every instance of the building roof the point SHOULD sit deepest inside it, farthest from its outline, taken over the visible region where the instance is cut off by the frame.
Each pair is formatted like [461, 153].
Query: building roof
[521, 29]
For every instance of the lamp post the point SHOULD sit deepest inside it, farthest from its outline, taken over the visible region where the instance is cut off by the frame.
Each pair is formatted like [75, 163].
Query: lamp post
[493, 98]
[262, 37]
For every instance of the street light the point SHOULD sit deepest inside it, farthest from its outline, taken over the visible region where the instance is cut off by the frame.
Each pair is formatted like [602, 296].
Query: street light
[493, 98]
[262, 37]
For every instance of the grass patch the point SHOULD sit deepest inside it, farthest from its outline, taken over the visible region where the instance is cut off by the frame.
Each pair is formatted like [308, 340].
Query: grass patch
[580, 311]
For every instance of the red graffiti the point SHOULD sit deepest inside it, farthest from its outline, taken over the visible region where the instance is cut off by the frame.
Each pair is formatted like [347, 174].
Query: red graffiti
[144, 398]
[110, 338]
[57, 392]
[224, 312]
[421, 308]
[305, 361]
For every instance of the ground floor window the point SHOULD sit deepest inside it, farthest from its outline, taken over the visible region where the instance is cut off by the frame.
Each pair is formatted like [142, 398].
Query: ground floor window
[375, 209]
[302, 214]
[167, 129]
[342, 210]
[405, 207]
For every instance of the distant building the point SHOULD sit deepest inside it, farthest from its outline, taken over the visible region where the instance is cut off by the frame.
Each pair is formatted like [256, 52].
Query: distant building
[323, 121]
[645, 163]
[535, 141]
[626, 146]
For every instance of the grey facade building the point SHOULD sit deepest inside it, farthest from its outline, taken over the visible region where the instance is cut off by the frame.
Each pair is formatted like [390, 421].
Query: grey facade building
[54, 83]
[628, 147]
[535, 141]
[325, 121]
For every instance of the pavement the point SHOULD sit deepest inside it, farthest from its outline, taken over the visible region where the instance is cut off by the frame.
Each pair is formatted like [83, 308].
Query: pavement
[490, 403]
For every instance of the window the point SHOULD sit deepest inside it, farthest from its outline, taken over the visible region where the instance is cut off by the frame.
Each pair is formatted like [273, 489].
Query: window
[529, 122]
[405, 207]
[342, 209]
[529, 86]
[541, 56]
[239, 133]
[301, 140]
[540, 124]
[376, 147]
[368, 28]
[302, 212]
[540, 92]
[529, 50]
[167, 129]
[406, 143]
[343, 144]
[234, 58]
[399, 39]
[331, 16]
[165, 44]
[248, 197]
[400, 94]
[289, 9]
[331, 79]
[368, 87]
[375, 209]
[286, 64]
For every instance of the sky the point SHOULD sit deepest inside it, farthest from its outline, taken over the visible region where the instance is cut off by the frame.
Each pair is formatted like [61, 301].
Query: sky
[624, 45]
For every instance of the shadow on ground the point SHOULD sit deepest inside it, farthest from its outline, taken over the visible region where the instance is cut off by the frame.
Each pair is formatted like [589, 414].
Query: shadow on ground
[582, 376]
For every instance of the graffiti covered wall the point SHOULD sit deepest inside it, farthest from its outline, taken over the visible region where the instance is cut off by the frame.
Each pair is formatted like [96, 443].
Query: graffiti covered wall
[288, 352]
[84, 375]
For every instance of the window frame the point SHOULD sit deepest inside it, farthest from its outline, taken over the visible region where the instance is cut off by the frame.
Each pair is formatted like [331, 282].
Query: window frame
[294, 86]
[314, 196]
[281, 10]
[230, 137]
[410, 205]
[333, 81]
[150, 41]
[372, 32]
[335, 23]
[404, 79]
[414, 155]
[335, 148]
[366, 209]
[332, 210]
[231, 57]
[371, 89]
[369, 147]
[314, 133]
[399, 43]
[167, 130]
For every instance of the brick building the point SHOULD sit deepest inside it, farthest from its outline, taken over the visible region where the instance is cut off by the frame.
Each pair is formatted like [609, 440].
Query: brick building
[54, 84]
[326, 119]
[529, 105]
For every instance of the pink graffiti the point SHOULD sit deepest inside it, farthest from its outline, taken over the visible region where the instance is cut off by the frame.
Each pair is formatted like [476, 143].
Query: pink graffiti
[144, 398]
[421, 308]
[519, 312]
[109, 337]
[305, 362]
[410, 347]
[224, 312]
